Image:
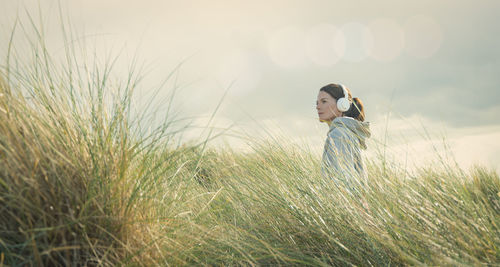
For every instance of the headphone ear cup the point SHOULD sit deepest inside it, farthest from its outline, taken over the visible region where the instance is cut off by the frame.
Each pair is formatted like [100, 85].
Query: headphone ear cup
[343, 104]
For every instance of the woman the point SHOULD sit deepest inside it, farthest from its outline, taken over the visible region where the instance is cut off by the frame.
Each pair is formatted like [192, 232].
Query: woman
[342, 159]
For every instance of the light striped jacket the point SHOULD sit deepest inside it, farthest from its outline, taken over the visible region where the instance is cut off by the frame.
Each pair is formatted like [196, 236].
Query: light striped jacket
[342, 156]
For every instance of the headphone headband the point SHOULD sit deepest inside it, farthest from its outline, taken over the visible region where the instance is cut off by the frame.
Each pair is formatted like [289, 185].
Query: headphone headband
[344, 89]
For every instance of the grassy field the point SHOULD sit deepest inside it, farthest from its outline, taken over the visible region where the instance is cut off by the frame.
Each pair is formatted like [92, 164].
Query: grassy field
[83, 183]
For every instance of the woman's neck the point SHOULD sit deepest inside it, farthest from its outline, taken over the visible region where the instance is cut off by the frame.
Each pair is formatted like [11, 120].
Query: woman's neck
[330, 122]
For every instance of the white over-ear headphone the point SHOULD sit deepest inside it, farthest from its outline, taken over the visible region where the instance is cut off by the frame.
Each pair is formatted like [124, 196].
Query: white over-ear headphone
[343, 104]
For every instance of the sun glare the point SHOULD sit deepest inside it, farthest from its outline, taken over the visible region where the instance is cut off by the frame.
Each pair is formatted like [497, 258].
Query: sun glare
[286, 48]
[239, 69]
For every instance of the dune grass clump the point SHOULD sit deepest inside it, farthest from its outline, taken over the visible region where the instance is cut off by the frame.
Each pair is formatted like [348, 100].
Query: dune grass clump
[74, 166]
[290, 214]
[84, 181]
[61, 179]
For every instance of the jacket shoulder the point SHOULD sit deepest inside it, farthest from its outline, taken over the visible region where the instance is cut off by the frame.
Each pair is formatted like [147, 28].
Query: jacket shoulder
[339, 132]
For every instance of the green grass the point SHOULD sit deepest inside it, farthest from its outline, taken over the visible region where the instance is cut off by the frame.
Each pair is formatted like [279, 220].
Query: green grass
[83, 183]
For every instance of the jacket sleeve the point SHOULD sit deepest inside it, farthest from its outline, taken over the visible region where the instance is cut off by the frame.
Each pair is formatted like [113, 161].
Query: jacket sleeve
[339, 158]
[338, 152]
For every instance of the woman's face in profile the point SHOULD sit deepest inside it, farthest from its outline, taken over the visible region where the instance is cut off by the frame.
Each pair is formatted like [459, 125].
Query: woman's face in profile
[326, 106]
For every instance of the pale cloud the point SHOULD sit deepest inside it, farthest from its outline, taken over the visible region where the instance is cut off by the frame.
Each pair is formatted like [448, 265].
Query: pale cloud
[405, 142]
[416, 140]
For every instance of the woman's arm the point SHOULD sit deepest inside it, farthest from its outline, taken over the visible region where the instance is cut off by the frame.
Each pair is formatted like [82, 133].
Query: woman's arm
[340, 155]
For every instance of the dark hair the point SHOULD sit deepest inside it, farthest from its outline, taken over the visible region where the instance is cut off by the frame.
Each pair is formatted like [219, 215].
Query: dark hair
[356, 111]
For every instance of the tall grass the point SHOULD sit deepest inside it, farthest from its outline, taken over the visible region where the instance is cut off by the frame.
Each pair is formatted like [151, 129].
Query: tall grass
[81, 183]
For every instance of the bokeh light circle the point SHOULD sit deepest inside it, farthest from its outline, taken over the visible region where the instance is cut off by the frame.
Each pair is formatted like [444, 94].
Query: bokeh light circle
[388, 39]
[357, 40]
[320, 45]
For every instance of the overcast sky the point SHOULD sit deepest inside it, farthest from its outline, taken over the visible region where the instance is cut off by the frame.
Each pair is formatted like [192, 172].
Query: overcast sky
[431, 62]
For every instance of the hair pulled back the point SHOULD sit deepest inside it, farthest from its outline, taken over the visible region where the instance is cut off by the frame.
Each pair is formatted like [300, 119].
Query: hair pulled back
[356, 110]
